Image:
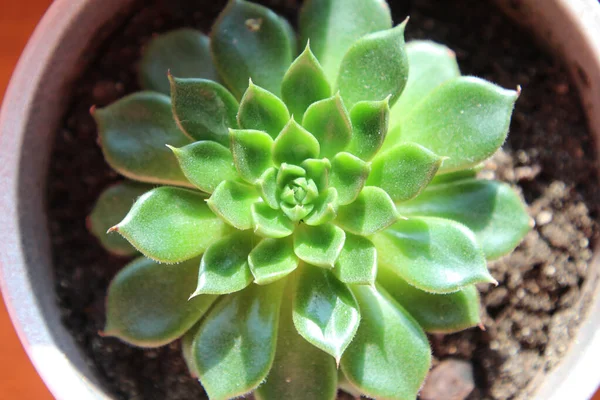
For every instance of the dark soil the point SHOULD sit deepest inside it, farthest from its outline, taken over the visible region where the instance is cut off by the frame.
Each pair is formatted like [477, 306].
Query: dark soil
[530, 316]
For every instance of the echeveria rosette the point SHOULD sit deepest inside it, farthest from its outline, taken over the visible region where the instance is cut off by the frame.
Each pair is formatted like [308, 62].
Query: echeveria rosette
[317, 211]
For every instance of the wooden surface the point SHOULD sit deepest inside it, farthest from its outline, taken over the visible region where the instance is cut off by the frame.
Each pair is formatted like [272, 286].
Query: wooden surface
[18, 379]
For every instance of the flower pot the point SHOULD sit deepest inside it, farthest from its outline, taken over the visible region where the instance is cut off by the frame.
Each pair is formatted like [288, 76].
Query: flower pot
[34, 105]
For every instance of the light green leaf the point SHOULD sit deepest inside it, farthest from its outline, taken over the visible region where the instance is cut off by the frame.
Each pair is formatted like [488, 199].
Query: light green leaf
[304, 83]
[110, 208]
[319, 245]
[294, 145]
[435, 255]
[372, 211]
[375, 67]
[325, 208]
[404, 171]
[251, 41]
[325, 24]
[390, 356]
[370, 125]
[492, 210]
[232, 201]
[357, 263]
[317, 169]
[147, 303]
[203, 109]
[262, 110]
[329, 122]
[431, 64]
[267, 187]
[251, 153]
[171, 225]
[288, 173]
[325, 311]
[133, 132]
[436, 313]
[271, 223]
[224, 267]
[235, 345]
[296, 212]
[272, 259]
[465, 119]
[348, 176]
[300, 371]
[184, 52]
[206, 164]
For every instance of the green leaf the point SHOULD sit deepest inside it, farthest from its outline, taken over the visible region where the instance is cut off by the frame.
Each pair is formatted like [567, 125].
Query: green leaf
[436, 313]
[370, 125]
[184, 52]
[317, 169]
[455, 176]
[319, 245]
[235, 345]
[404, 171]
[325, 208]
[224, 267]
[357, 263]
[348, 176]
[325, 311]
[251, 41]
[147, 303]
[329, 122]
[267, 187]
[206, 164]
[390, 356]
[251, 153]
[435, 255]
[203, 109]
[345, 385]
[111, 207]
[375, 67]
[270, 223]
[300, 371]
[431, 64]
[294, 145]
[492, 210]
[187, 342]
[325, 24]
[465, 119]
[262, 110]
[372, 211]
[171, 225]
[232, 201]
[304, 83]
[271, 260]
[133, 132]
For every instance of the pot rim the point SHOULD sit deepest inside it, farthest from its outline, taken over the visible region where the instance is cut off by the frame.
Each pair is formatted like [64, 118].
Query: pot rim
[36, 318]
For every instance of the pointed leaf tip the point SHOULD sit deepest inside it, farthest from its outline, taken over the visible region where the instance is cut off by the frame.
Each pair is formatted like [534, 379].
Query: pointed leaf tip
[304, 83]
[374, 67]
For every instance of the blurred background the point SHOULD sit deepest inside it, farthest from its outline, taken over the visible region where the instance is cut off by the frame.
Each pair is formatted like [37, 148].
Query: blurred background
[18, 379]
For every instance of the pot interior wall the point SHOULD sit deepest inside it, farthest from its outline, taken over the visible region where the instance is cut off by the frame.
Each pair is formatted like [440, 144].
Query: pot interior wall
[34, 105]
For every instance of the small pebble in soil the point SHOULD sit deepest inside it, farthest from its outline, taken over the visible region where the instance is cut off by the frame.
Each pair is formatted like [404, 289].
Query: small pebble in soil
[451, 379]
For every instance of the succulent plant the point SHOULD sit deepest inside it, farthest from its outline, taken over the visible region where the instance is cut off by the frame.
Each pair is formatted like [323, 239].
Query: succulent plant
[316, 215]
